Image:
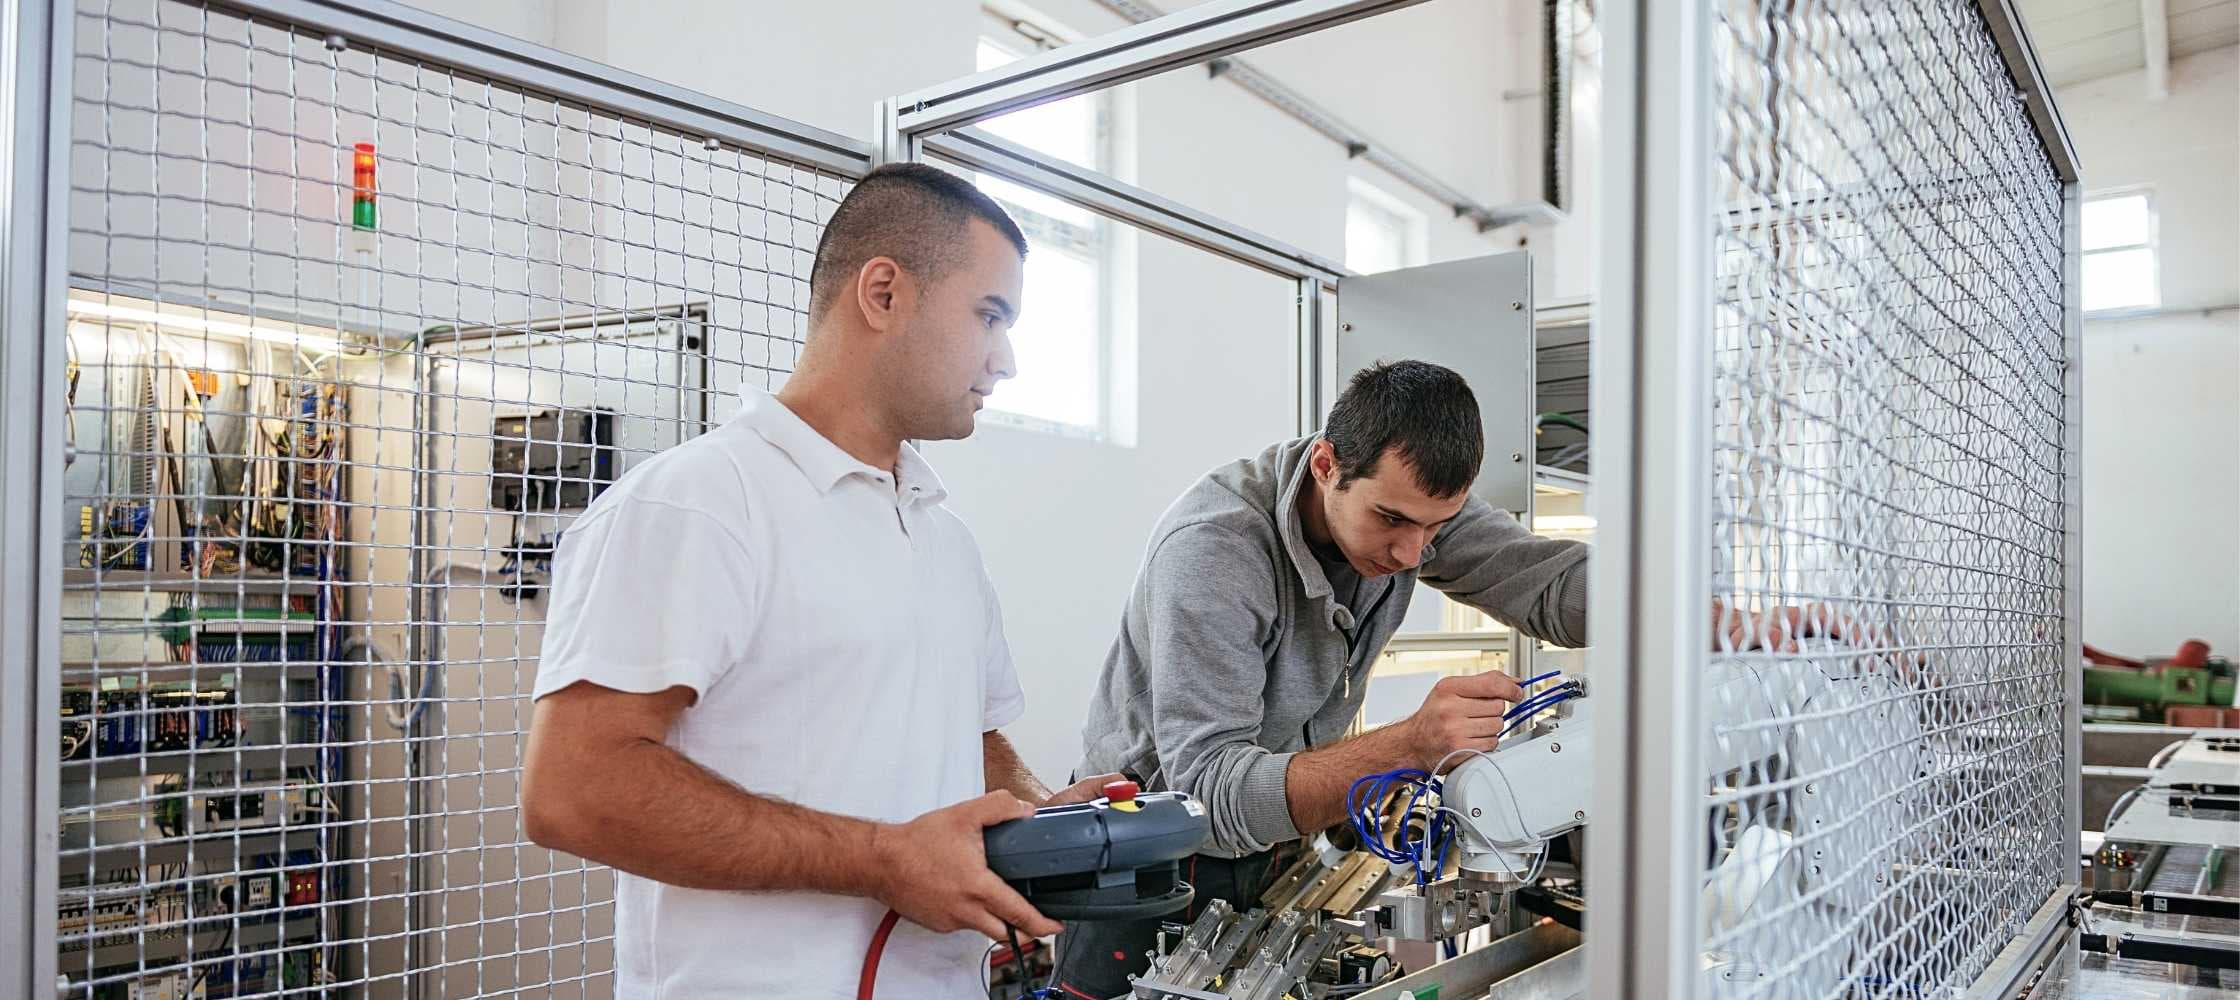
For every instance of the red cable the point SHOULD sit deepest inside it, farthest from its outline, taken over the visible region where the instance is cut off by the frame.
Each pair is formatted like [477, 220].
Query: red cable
[871, 955]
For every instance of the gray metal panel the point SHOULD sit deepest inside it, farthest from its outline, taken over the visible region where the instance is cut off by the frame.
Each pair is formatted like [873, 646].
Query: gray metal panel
[408, 30]
[2197, 764]
[2152, 818]
[1474, 316]
[31, 459]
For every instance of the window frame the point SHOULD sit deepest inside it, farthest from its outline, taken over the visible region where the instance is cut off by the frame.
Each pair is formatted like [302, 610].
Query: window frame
[2152, 245]
[1024, 33]
[1415, 226]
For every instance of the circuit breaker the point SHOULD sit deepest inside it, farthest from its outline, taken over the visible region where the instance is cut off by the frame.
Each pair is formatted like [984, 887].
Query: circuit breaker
[551, 459]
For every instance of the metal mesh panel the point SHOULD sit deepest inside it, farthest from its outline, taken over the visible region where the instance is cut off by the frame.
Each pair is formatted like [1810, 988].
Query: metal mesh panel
[323, 446]
[1888, 428]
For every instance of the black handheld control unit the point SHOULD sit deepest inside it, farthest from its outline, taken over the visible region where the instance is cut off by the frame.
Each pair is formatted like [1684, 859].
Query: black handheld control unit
[1110, 859]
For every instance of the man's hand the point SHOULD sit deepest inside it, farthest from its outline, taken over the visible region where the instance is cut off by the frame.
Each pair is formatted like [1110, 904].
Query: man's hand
[1779, 629]
[1461, 713]
[1085, 790]
[934, 871]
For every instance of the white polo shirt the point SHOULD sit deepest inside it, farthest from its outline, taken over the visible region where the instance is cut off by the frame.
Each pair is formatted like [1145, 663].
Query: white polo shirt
[847, 649]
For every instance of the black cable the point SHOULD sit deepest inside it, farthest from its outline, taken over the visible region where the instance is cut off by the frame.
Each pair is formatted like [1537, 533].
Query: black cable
[1026, 981]
[203, 972]
[1058, 960]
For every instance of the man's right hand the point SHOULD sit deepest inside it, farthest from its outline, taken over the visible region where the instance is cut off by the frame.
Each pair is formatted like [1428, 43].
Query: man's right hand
[1461, 713]
[934, 871]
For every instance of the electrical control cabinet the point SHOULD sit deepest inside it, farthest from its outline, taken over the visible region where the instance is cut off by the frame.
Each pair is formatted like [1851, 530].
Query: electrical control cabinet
[551, 460]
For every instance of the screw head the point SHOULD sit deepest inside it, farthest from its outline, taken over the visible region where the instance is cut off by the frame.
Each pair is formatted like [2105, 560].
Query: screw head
[337, 43]
[1581, 815]
[1516, 456]
[711, 145]
[1345, 327]
[1514, 306]
[1476, 812]
[1555, 748]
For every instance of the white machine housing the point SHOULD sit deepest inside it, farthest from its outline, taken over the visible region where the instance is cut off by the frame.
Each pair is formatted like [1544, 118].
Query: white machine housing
[1510, 802]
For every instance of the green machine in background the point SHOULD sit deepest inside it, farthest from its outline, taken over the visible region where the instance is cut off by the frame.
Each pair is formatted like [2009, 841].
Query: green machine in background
[2117, 688]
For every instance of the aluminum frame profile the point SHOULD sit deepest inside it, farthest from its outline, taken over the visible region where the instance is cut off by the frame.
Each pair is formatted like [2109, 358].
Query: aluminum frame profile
[1314, 350]
[393, 26]
[1101, 193]
[1177, 40]
[927, 122]
[2047, 937]
[1650, 386]
[1127, 203]
[38, 42]
[2021, 55]
[1357, 143]
[2072, 448]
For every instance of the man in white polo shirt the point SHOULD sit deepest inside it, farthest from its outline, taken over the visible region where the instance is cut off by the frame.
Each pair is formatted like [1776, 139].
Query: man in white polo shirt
[774, 672]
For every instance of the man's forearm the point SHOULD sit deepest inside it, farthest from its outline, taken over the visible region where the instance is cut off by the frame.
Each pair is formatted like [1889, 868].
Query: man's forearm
[1005, 772]
[1316, 781]
[652, 812]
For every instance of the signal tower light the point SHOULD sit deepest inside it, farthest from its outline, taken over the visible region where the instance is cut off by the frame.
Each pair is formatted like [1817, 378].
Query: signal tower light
[362, 170]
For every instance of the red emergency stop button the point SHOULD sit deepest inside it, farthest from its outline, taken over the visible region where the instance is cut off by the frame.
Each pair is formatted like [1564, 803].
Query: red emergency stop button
[1121, 791]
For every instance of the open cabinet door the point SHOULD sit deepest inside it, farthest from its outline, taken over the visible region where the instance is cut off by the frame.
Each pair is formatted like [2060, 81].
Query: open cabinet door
[1474, 316]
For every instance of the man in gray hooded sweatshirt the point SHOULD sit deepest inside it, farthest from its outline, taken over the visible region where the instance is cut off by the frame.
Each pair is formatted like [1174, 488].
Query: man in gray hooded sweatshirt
[1267, 592]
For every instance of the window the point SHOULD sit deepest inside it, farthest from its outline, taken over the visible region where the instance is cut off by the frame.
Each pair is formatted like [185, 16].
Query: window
[1063, 340]
[2120, 271]
[1382, 232]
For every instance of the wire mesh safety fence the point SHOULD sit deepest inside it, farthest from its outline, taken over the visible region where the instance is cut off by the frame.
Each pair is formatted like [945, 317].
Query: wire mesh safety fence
[1888, 435]
[351, 336]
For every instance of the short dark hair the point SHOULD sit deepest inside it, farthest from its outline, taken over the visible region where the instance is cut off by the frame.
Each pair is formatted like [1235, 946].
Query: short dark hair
[912, 213]
[1426, 411]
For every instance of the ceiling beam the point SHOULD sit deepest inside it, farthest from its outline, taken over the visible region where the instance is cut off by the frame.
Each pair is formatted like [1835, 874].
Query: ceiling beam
[2154, 28]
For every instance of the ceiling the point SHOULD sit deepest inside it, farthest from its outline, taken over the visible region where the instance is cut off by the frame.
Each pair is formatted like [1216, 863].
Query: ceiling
[2080, 40]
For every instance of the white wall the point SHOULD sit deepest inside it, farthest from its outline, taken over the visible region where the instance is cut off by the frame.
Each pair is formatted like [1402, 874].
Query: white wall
[821, 64]
[2162, 393]
[1063, 520]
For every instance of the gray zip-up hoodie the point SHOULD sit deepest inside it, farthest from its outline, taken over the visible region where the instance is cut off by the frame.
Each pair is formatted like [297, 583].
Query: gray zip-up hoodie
[1233, 652]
